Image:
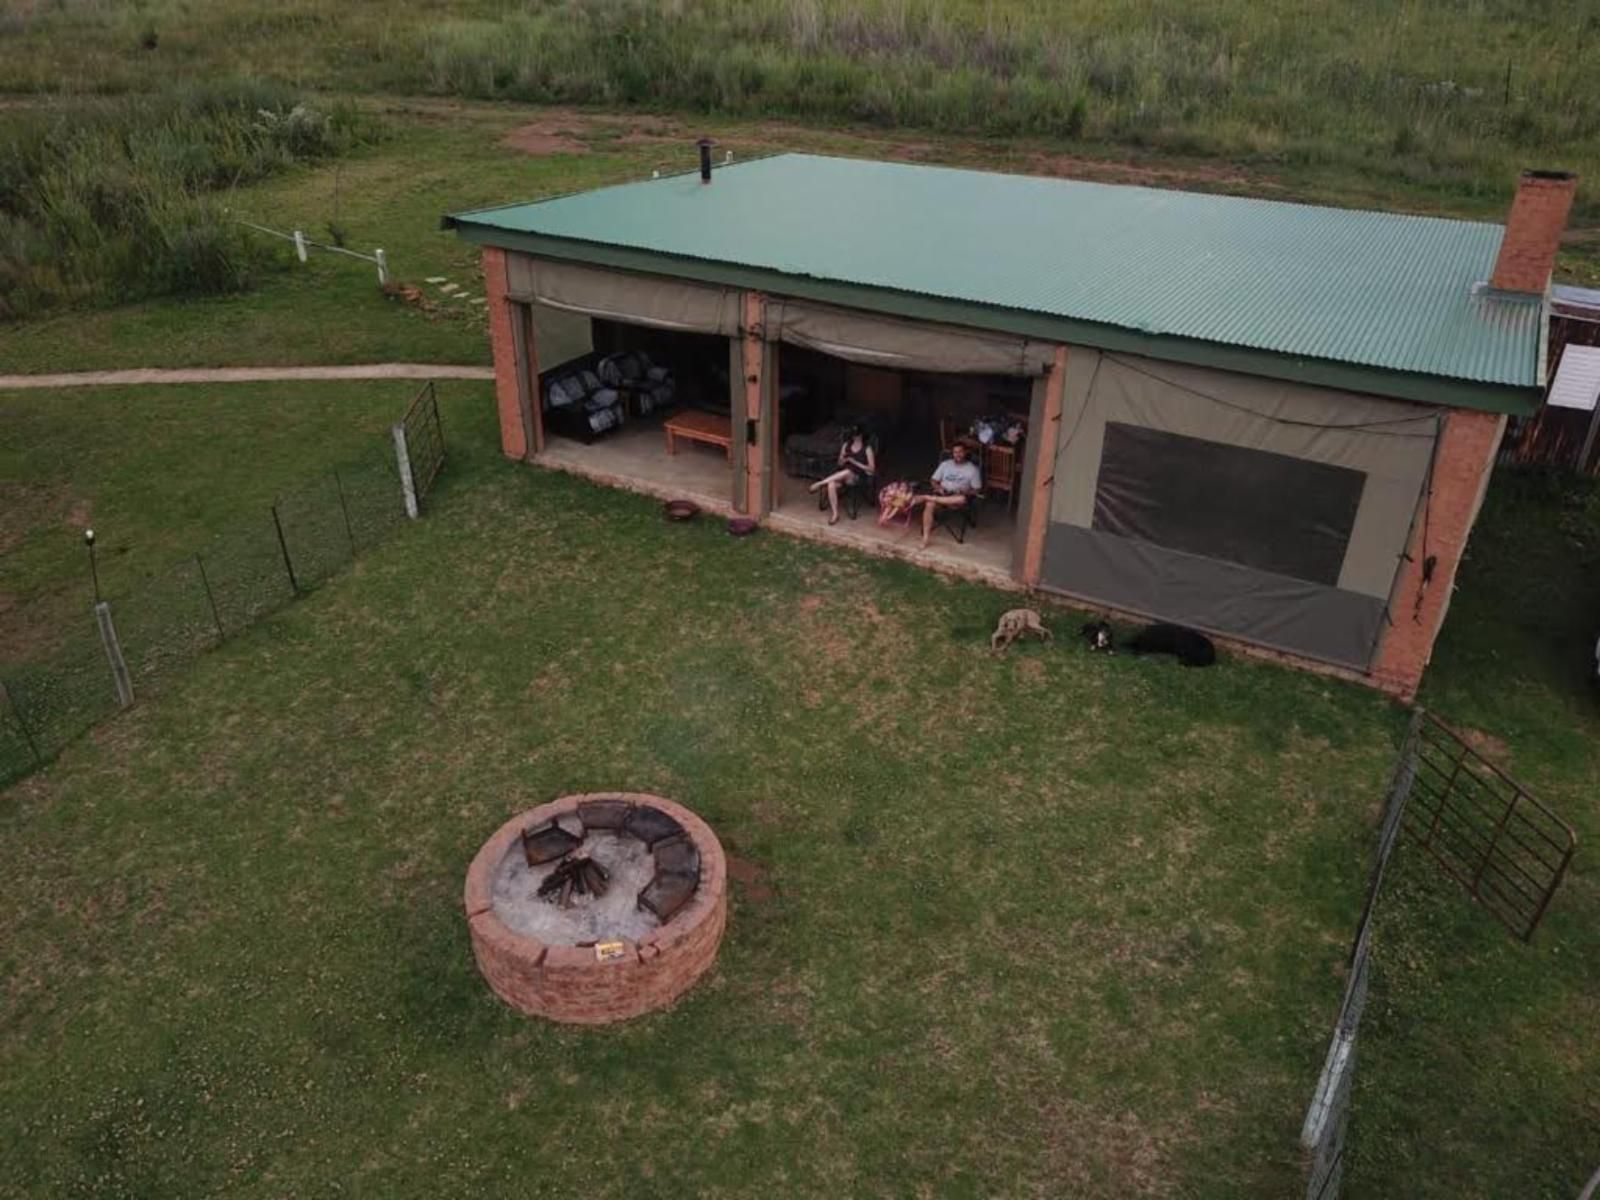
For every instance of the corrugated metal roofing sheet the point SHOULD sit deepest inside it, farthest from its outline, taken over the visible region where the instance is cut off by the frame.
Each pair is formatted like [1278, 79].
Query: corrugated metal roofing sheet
[1368, 288]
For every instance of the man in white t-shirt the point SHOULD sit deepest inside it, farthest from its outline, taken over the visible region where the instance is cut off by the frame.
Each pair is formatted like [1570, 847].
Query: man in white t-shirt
[955, 481]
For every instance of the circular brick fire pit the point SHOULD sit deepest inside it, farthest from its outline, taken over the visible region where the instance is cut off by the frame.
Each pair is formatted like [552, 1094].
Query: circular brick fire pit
[598, 907]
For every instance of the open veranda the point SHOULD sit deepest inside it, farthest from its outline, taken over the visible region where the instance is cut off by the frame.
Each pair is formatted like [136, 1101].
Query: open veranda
[1036, 923]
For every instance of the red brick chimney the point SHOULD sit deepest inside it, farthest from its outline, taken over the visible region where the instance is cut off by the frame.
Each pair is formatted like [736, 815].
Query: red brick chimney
[1533, 232]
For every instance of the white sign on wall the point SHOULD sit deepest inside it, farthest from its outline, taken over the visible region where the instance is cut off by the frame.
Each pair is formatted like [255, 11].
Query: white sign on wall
[1577, 382]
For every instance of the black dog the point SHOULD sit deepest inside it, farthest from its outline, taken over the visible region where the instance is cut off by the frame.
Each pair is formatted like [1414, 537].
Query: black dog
[1190, 648]
[1098, 635]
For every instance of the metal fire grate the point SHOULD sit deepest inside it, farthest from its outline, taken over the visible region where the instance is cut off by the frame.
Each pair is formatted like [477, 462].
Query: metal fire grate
[1507, 849]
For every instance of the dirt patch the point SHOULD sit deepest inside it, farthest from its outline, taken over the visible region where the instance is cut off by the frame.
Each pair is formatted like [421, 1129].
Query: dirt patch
[752, 879]
[558, 131]
[1086, 1144]
[25, 507]
[1486, 744]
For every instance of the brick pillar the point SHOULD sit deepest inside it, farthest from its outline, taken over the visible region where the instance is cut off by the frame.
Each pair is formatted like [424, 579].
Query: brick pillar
[755, 384]
[508, 387]
[1533, 232]
[1461, 468]
[1046, 444]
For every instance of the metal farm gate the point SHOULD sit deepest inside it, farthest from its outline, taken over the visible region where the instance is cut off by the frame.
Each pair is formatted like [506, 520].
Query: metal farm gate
[419, 447]
[1508, 850]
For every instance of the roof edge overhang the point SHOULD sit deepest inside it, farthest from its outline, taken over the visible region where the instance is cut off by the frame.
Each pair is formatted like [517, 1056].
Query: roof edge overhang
[1351, 377]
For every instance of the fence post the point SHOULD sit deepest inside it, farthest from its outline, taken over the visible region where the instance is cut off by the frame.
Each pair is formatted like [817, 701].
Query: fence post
[383, 266]
[408, 486]
[16, 711]
[283, 546]
[345, 509]
[438, 425]
[210, 599]
[119, 665]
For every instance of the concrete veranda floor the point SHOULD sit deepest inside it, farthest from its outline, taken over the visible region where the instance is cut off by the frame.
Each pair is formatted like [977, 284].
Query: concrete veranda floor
[636, 458]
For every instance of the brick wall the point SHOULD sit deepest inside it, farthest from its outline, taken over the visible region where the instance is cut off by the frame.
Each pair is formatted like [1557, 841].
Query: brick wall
[1461, 470]
[567, 983]
[513, 433]
[1533, 232]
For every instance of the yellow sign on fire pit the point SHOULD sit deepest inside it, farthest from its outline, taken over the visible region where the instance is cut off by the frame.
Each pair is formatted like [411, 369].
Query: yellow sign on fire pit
[609, 951]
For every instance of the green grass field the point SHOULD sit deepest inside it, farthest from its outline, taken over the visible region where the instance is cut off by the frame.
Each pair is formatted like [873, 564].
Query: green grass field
[1082, 937]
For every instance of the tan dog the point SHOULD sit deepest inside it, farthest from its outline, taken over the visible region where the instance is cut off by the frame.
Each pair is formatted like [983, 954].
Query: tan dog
[1014, 624]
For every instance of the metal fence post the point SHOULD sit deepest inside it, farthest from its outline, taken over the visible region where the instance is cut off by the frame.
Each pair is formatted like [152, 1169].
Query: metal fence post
[210, 599]
[345, 509]
[283, 546]
[408, 486]
[27, 734]
[119, 665]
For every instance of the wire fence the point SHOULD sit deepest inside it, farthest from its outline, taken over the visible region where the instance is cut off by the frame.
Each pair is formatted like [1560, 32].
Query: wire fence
[1487, 832]
[252, 568]
[1323, 1134]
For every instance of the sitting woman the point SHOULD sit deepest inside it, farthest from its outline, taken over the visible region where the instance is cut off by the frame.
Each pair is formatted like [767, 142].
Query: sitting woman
[955, 481]
[858, 461]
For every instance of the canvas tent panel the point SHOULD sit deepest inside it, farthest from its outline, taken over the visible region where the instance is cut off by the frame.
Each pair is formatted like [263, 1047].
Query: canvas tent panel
[1391, 443]
[1253, 507]
[1272, 610]
[635, 299]
[1269, 511]
[904, 345]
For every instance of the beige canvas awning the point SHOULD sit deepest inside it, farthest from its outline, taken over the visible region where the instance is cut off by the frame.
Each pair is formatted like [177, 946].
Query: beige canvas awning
[635, 299]
[904, 345]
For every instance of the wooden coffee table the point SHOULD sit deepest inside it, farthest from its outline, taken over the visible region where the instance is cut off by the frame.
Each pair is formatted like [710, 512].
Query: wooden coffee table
[697, 426]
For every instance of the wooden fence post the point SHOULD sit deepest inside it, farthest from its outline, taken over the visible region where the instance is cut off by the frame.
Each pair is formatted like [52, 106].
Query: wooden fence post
[408, 486]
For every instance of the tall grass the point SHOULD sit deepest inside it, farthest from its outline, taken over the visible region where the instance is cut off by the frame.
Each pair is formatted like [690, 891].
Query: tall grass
[1440, 90]
[114, 200]
[1449, 93]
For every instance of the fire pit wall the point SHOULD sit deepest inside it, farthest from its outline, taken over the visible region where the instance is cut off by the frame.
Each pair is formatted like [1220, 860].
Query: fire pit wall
[569, 983]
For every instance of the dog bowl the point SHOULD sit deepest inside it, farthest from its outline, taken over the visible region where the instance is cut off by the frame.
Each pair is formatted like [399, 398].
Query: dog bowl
[742, 526]
[680, 510]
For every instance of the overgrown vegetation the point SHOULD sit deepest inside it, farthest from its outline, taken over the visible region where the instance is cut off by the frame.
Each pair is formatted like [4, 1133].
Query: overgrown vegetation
[107, 201]
[1457, 96]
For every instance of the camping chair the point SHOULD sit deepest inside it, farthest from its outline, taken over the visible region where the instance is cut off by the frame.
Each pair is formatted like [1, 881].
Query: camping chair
[957, 522]
[851, 495]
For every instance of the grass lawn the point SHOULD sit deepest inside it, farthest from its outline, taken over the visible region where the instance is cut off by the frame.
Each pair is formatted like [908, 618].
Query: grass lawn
[158, 472]
[1082, 935]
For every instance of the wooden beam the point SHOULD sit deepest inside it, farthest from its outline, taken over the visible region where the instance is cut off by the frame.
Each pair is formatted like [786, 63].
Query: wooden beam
[1047, 446]
[755, 369]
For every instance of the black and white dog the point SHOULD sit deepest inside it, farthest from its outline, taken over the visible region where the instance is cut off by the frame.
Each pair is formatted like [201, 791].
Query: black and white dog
[1098, 635]
[1191, 648]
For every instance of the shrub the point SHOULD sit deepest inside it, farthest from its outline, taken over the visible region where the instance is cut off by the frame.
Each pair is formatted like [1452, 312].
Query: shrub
[121, 200]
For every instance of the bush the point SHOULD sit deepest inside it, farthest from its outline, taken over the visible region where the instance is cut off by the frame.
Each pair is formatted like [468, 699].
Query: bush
[121, 200]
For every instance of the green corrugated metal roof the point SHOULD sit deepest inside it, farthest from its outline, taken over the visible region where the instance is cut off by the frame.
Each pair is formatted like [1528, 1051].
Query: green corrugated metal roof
[1373, 290]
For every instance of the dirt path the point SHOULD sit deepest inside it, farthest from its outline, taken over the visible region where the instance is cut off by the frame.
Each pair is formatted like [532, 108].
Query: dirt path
[142, 375]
